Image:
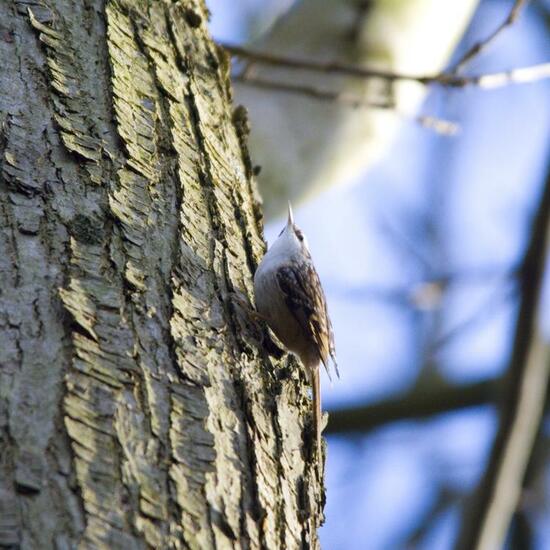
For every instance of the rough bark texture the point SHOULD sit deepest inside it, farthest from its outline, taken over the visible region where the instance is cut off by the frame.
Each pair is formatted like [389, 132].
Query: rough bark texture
[137, 406]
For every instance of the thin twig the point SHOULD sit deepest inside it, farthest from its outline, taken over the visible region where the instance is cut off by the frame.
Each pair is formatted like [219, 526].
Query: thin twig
[315, 93]
[481, 46]
[443, 499]
[520, 75]
[497, 298]
[313, 65]
[440, 126]
[406, 295]
[419, 403]
[488, 518]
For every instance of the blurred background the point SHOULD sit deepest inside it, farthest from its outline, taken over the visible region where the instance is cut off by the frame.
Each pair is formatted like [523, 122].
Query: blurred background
[425, 237]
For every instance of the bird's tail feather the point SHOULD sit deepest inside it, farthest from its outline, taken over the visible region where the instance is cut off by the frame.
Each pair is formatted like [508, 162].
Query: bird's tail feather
[316, 386]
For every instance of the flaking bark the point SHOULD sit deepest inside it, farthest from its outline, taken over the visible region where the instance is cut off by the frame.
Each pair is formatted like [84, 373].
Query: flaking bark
[137, 406]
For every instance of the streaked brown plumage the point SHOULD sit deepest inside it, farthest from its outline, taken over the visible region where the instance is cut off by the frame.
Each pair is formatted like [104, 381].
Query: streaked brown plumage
[290, 297]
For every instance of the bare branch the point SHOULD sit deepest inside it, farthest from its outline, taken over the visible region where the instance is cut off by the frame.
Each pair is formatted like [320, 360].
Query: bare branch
[481, 46]
[421, 402]
[444, 498]
[520, 75]
[315, 93]
[440, 126]
[313, 65]
[498, 494]
[522, 533]
[412, 294]
[497, 298]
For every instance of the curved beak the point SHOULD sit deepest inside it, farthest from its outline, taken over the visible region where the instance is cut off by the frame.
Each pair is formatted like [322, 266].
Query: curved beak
[290, 220]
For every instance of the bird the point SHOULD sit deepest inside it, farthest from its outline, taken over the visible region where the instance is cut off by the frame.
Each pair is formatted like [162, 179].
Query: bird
[290, 298]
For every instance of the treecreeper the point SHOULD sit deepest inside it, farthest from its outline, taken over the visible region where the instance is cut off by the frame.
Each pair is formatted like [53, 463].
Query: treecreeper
[290, 298]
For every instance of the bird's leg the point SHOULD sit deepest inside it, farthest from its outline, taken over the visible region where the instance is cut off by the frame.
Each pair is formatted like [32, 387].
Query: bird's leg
[256, 315]
[267, 342]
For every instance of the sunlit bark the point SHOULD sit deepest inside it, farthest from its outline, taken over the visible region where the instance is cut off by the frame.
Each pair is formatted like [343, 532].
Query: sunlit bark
[137, 406]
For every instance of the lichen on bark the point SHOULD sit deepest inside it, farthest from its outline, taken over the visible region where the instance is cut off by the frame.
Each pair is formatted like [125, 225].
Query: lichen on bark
[138, 408]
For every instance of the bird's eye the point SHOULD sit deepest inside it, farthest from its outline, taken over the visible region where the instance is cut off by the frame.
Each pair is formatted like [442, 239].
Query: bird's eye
[300, 235]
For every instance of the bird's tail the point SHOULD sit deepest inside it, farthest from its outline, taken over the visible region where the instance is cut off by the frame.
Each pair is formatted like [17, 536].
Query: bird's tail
[316, 387]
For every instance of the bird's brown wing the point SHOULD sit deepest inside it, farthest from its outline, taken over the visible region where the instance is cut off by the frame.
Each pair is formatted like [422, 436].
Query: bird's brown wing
[304, 296]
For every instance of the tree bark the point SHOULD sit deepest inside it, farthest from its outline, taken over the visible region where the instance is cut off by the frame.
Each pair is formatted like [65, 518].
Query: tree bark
[138, 408]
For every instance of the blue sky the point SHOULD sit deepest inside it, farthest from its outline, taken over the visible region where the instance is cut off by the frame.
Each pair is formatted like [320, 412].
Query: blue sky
[433, 206]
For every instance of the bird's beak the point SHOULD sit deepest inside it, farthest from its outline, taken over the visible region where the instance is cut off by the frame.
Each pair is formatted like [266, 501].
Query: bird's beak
[290, 220]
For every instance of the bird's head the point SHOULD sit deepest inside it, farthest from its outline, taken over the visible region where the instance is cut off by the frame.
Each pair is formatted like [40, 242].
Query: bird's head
[291, 240]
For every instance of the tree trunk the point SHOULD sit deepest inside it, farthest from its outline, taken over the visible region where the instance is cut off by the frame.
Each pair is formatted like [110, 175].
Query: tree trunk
[138, 408]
